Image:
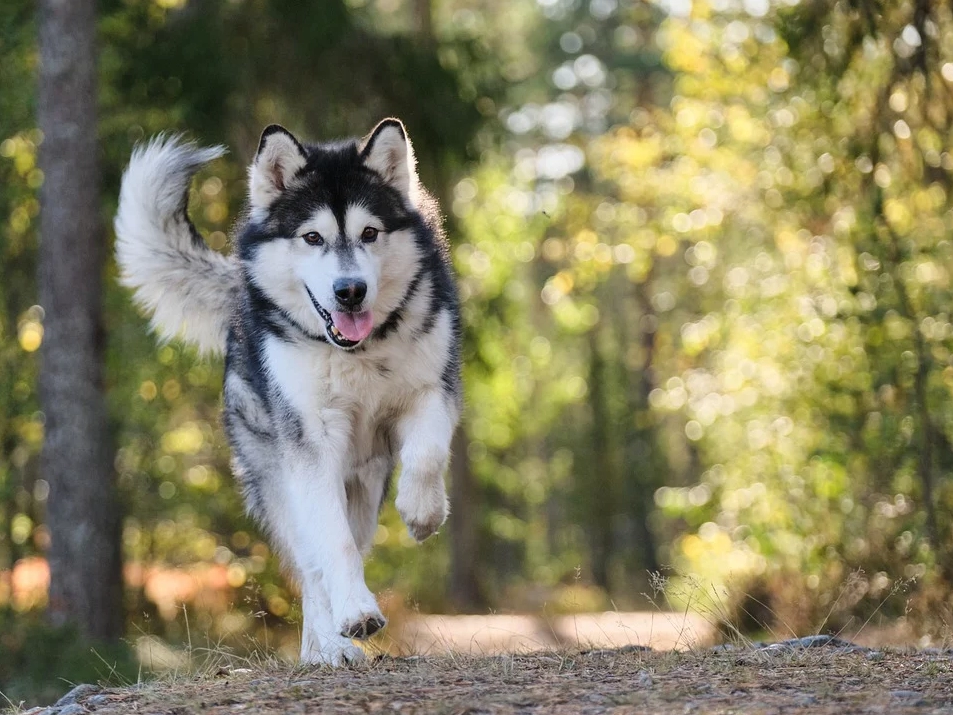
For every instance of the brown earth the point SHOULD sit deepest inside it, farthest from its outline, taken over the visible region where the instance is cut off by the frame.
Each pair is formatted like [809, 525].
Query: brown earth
[819, 681]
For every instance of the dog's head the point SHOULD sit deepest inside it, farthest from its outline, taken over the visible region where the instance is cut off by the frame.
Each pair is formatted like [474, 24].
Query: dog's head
[331, 237]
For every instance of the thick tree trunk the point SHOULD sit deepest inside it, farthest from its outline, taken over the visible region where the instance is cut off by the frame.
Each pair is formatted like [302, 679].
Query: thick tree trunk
[465, 594]
[82, 511]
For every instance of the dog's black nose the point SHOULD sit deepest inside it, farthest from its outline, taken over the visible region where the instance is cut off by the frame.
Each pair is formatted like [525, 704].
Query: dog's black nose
[350, 292]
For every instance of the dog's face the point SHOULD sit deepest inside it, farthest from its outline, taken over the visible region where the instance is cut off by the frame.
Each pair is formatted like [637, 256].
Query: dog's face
[333, 242]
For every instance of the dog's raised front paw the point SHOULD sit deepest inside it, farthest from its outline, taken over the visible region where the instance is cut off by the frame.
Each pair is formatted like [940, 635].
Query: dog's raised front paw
[424, 514]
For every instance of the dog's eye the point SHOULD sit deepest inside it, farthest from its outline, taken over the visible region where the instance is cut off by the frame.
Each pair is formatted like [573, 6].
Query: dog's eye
[369, 234]
[313, 238]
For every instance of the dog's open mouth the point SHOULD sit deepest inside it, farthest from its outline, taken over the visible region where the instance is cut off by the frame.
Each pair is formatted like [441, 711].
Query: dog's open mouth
[344, 329]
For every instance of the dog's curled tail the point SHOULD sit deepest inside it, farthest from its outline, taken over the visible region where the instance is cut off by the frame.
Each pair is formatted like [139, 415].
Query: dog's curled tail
[189, 289]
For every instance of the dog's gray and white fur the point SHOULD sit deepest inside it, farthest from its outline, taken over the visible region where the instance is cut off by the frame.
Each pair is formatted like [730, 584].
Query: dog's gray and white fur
[338, 316]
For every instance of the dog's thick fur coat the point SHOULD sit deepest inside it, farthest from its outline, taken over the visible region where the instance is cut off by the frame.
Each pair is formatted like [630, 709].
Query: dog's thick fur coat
[338, 316]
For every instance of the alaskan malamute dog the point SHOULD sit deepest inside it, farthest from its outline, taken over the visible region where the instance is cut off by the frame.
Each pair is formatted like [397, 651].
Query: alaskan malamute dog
[338, 316]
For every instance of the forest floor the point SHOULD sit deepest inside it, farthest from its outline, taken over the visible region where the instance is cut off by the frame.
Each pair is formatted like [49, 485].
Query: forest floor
[791, 677]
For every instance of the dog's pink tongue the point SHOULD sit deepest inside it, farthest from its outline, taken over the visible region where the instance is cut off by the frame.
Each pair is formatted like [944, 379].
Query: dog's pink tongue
[353, 326]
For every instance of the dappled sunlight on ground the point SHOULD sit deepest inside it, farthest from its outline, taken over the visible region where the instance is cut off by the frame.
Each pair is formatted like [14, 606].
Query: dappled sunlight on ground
[495, 634]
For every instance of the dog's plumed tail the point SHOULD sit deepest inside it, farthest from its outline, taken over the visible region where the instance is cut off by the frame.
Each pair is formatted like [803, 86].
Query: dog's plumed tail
[189, 289]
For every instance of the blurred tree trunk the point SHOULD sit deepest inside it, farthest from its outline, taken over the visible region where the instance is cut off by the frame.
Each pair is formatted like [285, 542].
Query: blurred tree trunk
[465, 594]
[82, 513]
[598, 479]
[423, 21]
[643, 463]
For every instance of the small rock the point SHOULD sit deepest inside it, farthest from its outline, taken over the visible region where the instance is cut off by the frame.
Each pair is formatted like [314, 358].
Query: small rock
[72, 709]
[644, 679]
[80, 691]
[97, 700]
[806, 699]
[875, 655]
[814, 642]
[617, 651]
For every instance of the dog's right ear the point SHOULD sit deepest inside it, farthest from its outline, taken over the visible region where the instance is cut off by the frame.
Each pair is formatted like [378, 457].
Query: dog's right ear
[280, 156]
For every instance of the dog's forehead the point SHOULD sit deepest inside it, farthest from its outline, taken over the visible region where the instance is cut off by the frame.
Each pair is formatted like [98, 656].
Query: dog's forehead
[336, 175]
[349, 221]
[357, 217]
[323, 221]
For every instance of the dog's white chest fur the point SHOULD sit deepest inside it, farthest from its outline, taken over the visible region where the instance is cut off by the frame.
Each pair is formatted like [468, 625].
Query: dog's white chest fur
[345, 397]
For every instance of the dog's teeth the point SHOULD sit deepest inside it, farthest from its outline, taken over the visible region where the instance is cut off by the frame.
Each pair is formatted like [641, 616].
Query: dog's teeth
[335, 330]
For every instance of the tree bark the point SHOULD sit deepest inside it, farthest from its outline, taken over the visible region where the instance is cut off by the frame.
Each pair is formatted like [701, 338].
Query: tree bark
[82, 511]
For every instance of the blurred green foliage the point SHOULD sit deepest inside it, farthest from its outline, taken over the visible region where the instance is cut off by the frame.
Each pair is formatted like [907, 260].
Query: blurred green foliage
[704, 250]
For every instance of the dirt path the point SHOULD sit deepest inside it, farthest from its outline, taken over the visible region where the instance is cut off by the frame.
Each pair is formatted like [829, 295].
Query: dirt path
[820, 681]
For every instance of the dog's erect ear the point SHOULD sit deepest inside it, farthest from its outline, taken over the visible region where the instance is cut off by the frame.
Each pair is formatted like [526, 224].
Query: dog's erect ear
[280, 156]
[387, 150]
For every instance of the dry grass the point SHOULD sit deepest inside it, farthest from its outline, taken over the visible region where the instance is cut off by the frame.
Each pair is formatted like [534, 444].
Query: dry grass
[818, 681]
[576, 667]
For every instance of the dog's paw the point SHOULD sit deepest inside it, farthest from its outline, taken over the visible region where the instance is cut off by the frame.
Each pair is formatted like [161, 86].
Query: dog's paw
[423, 523]
[359, 616]
[423, 530]
[364, 627]
[336, 655]
[423, 512]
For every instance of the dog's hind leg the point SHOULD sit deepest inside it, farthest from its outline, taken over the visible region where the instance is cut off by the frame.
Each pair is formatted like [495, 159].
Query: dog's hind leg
[365, 493]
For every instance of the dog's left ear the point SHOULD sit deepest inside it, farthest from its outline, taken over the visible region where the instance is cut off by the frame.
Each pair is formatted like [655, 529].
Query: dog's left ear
[280, 156]
[388, 151]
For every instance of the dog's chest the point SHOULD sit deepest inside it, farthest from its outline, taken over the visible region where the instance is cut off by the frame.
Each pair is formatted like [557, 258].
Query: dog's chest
[330, 390]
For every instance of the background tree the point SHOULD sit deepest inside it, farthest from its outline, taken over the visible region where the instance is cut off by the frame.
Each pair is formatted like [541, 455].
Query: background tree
[82, 510]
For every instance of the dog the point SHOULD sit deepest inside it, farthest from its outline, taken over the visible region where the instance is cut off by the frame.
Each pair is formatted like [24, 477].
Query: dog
[338, 316]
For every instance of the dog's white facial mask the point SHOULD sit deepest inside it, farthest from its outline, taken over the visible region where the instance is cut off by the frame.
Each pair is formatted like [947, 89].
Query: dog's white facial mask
[342, 272]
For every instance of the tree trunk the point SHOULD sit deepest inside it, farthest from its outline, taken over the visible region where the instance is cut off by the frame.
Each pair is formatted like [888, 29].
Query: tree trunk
[642, 457]
[423, 21]
[465, 593]
[82, 512]
[599, 477]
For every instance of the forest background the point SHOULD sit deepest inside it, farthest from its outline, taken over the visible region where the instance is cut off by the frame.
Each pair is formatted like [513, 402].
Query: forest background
[705, 257]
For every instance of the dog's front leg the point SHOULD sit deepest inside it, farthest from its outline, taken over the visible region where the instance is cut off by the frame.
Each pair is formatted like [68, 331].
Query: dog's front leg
[330, 563]
[425, 432]
[321, 641]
